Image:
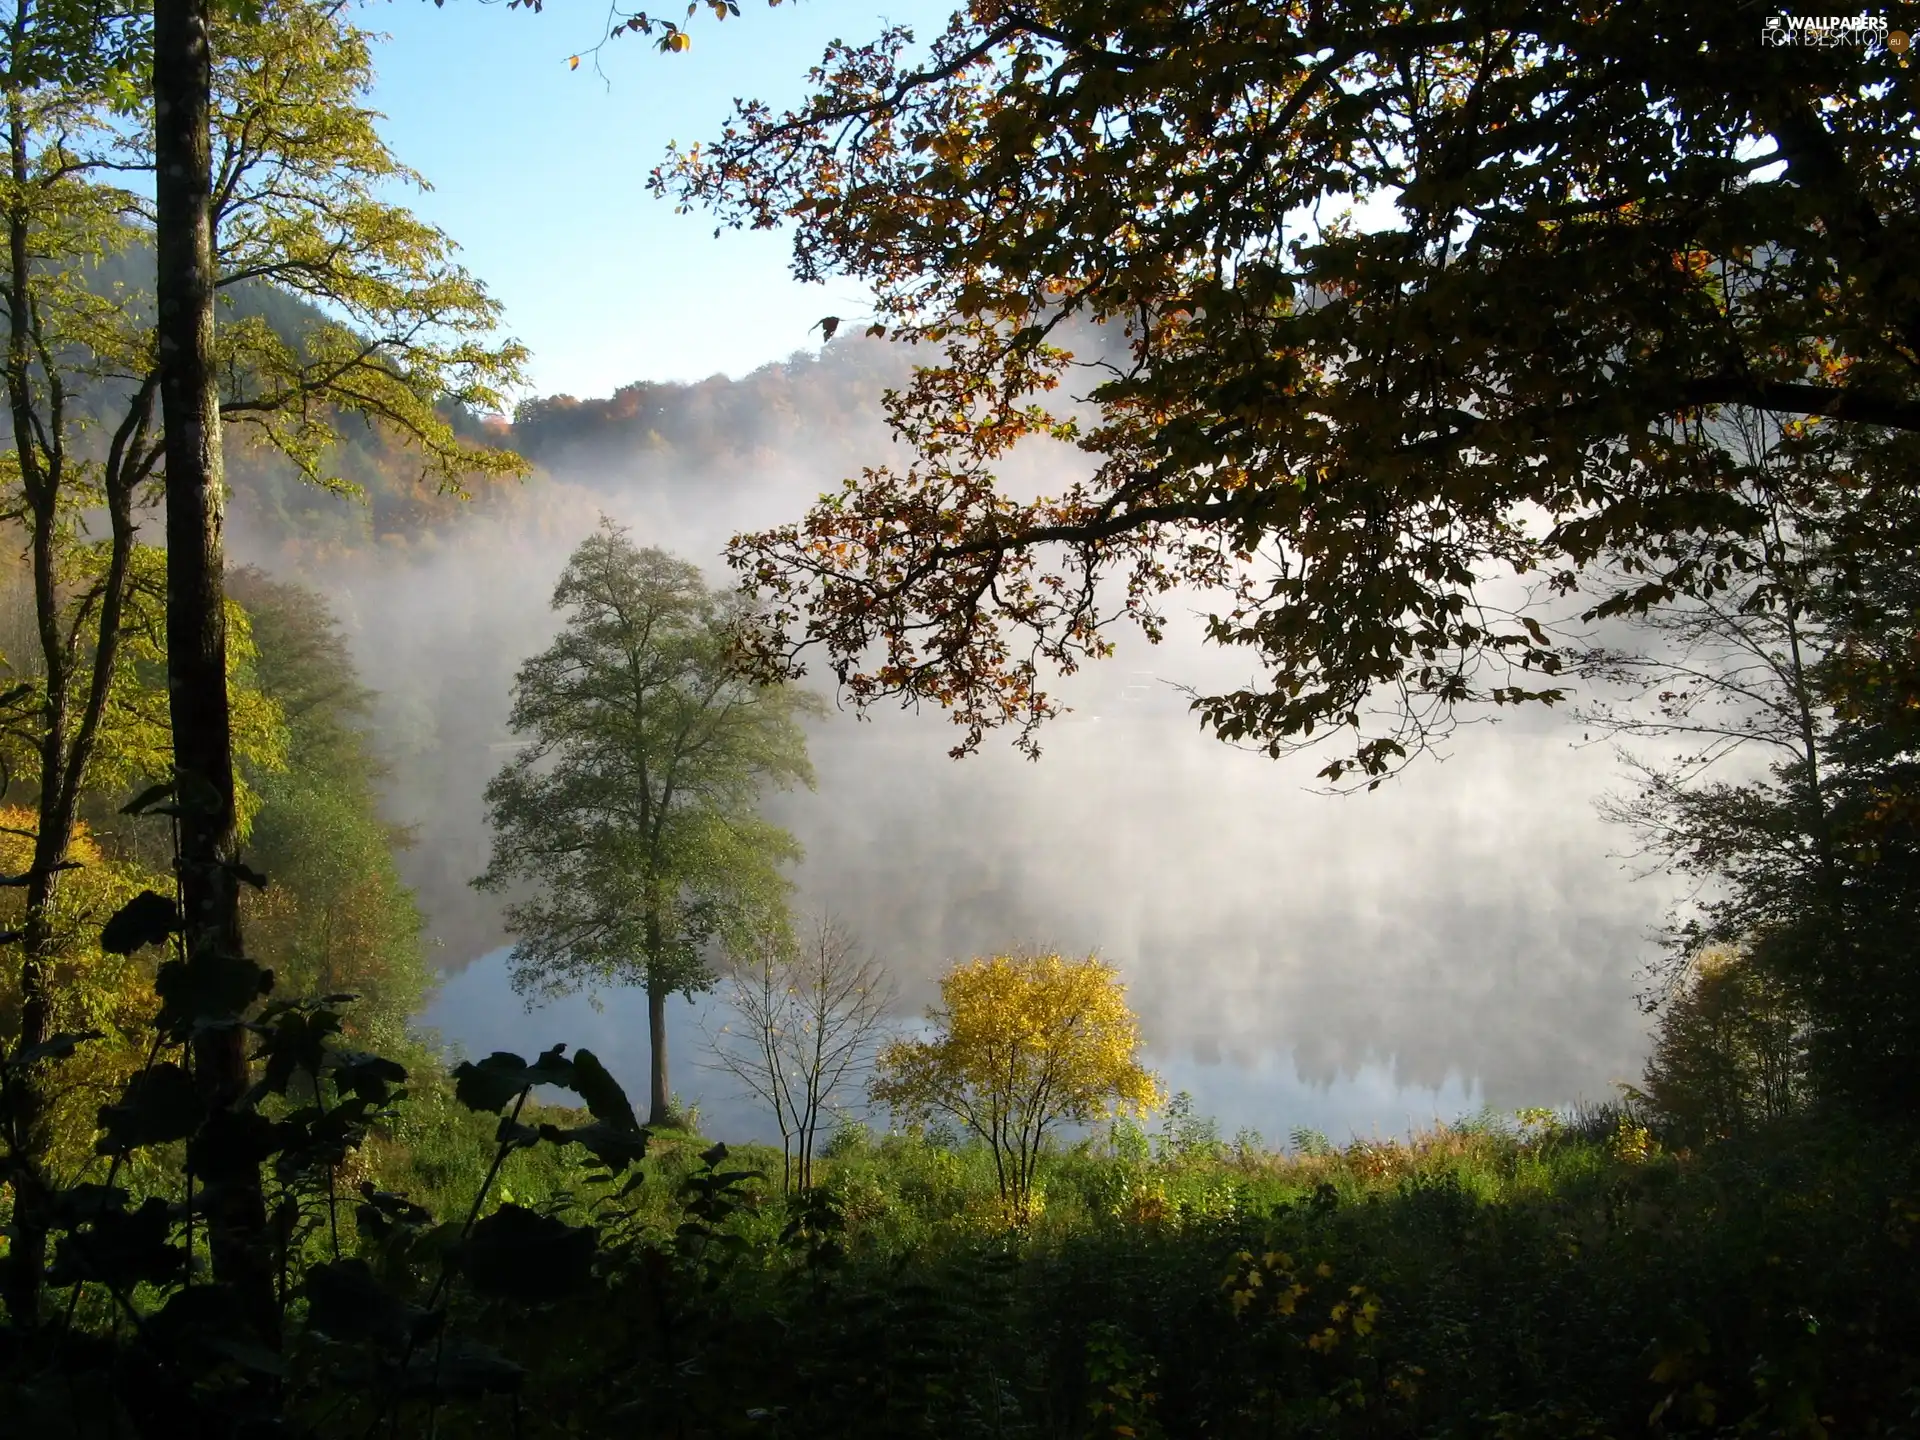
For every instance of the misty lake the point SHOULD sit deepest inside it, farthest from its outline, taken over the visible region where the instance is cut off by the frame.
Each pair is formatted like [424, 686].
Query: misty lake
[1356, 965]
[1466, 935]
[476, 1012]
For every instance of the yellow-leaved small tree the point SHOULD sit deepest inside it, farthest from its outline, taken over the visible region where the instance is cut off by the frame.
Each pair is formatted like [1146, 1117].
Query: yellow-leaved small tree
[1021, 1044]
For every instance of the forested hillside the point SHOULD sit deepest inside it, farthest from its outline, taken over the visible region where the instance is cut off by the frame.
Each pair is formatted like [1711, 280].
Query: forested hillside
[694, 438]
[824, 402]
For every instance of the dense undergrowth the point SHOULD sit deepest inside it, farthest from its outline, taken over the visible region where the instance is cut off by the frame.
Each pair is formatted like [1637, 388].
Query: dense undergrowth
[1551, 1279]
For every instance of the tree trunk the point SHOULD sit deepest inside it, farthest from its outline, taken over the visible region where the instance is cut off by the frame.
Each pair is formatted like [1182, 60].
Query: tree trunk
[660, 1099]
[196, 611]
[26, 1261]
[67, 731]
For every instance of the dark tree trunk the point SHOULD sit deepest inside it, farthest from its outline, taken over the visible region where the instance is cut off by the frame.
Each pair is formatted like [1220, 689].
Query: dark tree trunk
[196, 612]
[660, 1097]
[26, 1261]
[660, 1094]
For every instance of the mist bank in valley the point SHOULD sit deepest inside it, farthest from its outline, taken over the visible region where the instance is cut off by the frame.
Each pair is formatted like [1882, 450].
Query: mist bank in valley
[1466, 922]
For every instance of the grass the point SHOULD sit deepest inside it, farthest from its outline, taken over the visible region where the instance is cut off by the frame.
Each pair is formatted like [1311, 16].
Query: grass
[1554, 1279]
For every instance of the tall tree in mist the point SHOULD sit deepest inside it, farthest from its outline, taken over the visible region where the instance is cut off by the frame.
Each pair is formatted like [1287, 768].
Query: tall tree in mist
[1609, 220]
[633, 810]
[1732, 669]
[208, 840]
[294, 194]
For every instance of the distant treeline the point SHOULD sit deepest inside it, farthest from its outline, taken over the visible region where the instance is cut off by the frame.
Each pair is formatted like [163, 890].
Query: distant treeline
[824, 406]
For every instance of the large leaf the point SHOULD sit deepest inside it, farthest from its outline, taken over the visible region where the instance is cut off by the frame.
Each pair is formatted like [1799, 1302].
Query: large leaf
[606, 1101]
[370, 1077]
[460, 1368]
[54, 1047]
[519, 1254]
[208, 988]
[121, 1249]
[493, 1083]
[233, 1143]
[159, 1104]
[148, 798]
[147, 919]
[87, 1201]
[613, 1146]
[345, 1301]
[25, 878]
[385, 1212]
[204, 1327]
[296, 1041]
[313, 1139]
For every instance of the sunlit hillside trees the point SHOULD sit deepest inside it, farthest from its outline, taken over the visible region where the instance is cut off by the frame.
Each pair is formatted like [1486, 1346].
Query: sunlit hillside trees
[299, 205]
[84, 988]
[335, 917]
[1729, 1052]
[71, 769]
[822, 409]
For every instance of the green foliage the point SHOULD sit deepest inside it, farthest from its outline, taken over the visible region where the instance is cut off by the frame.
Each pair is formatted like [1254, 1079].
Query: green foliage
[338, 918]
[92, 987]
[393, 330]
[1462, 1282]
[1375, 406]
[388, 332]
[1848, 948]
[633, 808]
[1186, 1134]
[1574, 1279]
[1729, 1052]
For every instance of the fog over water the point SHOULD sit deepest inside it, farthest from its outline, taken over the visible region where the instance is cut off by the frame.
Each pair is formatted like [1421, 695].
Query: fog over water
[1462, 936]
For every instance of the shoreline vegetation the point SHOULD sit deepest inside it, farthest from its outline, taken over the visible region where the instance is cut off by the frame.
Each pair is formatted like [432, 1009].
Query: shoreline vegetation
[1552, 1274]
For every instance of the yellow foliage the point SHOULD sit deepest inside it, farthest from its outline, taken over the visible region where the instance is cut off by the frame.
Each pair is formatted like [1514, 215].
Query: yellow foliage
[135, 744]
[1633, 1142]
[88, 988]
[1021, 1045]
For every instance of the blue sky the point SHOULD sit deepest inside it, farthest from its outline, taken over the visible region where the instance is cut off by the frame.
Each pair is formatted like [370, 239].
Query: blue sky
[539, 173]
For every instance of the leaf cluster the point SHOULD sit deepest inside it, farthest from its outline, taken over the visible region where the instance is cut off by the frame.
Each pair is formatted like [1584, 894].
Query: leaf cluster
[1413, 306]
[633, 806]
